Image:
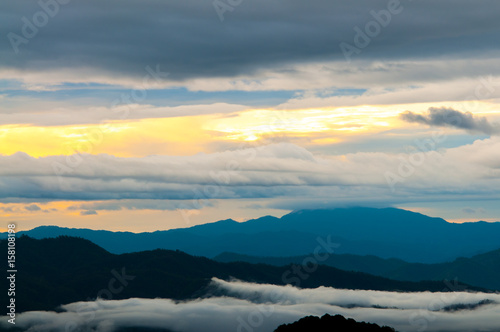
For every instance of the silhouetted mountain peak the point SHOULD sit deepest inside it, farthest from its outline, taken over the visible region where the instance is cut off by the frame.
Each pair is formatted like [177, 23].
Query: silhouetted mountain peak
[383, 232]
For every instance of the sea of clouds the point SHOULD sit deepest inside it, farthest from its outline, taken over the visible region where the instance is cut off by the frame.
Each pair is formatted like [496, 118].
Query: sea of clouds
[235, 306]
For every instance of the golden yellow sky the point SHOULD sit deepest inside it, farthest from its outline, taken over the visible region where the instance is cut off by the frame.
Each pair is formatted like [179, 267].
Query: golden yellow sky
[189, 135]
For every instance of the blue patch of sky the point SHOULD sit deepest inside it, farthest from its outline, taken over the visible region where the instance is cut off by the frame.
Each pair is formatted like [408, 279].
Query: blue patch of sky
[164, 97]
[400, 144]
[341, 92]
[106, 94]
[6, 85]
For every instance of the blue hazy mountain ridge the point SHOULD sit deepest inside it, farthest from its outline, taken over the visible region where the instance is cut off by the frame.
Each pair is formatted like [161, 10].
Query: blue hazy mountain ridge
[386, 233]
[480, 270]
[66, 269]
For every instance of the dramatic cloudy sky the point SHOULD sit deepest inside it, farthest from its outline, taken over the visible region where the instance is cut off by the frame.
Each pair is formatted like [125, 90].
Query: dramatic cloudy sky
[144, 115]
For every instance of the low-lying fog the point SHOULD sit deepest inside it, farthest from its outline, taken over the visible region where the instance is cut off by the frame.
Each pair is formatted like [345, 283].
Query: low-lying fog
[244, 307]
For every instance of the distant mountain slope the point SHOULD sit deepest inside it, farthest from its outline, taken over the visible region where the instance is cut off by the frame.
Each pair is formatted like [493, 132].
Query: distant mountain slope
[368, 264]
[386, 233]
[480, 270]
[331, 323]
[66, 270]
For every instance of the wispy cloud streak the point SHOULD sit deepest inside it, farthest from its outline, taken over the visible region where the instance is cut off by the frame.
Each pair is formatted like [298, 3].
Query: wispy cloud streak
[448, 117]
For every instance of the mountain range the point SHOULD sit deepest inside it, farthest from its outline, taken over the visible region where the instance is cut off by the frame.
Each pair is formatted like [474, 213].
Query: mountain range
[65, 270]
[386, 233]
[481, 270]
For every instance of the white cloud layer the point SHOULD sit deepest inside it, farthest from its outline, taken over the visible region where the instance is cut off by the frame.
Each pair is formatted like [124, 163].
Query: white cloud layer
[272, 171]
[249, 307]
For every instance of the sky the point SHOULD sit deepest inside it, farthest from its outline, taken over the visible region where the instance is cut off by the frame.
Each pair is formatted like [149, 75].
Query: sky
[151, 115]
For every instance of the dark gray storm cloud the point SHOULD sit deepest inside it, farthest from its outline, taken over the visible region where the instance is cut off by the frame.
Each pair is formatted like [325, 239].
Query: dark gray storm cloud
[448, 117]
[88, 213]
[188, 39]
[32, 208]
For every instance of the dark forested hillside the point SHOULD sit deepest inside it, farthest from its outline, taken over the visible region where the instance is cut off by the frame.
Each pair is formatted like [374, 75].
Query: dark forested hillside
[480, 270]
[368, 263]
[329, 323]
[65, 269]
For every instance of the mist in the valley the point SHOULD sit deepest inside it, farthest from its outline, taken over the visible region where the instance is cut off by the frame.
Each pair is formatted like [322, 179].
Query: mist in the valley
[245, 307]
